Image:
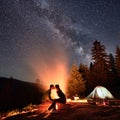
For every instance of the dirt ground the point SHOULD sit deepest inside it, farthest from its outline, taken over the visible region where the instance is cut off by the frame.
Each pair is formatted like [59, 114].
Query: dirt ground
[71, 111]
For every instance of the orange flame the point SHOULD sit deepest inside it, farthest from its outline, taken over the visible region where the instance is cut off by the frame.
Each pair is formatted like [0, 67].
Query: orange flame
[51, 73]
[54, 94]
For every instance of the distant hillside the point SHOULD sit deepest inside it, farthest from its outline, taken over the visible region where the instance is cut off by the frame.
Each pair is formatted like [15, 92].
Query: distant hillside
[17, 94]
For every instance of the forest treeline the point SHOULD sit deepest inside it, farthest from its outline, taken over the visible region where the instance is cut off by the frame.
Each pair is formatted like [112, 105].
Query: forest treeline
[104, 70]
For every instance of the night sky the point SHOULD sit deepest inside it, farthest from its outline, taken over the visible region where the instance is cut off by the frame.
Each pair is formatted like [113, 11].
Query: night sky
[37, 35]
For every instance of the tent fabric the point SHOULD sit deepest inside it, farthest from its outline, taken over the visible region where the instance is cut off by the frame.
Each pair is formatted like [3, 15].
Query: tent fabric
[100, 92]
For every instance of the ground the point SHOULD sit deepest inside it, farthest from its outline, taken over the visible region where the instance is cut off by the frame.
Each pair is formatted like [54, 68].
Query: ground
[71, 111]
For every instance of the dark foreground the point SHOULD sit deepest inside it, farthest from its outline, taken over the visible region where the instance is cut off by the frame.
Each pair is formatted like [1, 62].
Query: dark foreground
[71, 111]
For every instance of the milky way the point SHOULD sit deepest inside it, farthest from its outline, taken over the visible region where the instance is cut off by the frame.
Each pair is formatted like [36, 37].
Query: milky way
[39, 33]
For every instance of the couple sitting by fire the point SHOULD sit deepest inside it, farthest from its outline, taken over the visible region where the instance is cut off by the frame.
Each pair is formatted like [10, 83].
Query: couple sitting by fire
[59, 96]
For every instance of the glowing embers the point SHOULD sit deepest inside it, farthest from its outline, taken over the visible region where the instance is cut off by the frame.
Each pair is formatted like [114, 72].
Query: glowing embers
[56, 106]
[77, 100]
[104, 103]
[60, 106]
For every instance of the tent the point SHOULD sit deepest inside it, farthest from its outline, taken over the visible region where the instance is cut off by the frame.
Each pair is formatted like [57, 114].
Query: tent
[100, 93]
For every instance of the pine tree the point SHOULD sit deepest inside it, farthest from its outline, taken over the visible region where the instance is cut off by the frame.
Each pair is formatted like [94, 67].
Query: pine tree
[112, 63]
[100, 67]
[116, 88]
[117, 60]
[76, 84]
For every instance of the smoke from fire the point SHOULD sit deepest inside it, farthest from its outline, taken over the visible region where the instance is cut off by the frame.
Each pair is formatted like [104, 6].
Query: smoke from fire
[51, 66]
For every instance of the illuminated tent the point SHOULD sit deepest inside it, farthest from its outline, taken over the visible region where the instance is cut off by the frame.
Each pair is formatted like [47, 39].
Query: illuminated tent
[100, 92]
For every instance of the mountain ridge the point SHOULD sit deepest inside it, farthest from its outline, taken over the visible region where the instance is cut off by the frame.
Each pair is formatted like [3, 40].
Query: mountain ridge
[18, 94]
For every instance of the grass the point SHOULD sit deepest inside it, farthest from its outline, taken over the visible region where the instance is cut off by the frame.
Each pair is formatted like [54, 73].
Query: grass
[9, 113]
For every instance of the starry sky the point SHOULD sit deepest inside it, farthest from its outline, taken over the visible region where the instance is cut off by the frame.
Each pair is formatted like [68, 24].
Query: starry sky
[38, 37]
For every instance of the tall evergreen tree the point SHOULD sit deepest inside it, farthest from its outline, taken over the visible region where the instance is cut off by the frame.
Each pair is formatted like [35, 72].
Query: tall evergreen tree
[76, 84]
[116, 85]
[100, 67]
[117, 60]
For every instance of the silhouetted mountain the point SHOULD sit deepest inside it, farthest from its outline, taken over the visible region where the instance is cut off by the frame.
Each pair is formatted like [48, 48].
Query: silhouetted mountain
[17, 94]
